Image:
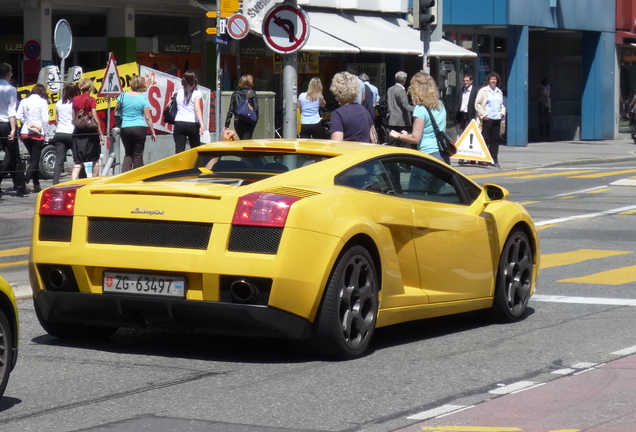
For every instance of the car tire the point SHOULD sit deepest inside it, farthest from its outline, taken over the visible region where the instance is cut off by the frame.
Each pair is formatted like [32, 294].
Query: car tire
[347, 316]
[72, 330]
[47, 162]
[6, 351]
[514, 278]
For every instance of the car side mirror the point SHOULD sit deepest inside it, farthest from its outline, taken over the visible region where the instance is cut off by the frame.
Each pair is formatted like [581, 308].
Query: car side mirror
[495, 193]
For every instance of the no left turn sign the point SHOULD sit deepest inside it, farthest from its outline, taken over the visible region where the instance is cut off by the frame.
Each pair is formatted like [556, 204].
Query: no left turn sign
[237, 26]
[286, 29]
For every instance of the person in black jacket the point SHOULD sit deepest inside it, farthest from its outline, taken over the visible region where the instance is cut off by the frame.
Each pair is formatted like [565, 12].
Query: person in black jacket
[465, 104]
[245, 92]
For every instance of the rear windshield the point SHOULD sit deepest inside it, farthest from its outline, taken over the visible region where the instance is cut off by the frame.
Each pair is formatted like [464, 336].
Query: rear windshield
[231, 167]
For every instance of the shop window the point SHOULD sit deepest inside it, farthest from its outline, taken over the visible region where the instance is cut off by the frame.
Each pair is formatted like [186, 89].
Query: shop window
[500, 45]
[483, 44]
[85, 25]
[466, 41]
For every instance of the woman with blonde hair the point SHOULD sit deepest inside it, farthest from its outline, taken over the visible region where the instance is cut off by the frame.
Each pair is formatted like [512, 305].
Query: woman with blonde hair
[309, 104]
[351, 121]
[135, 117]
[428, 107]
[245, 92]
[86, 142]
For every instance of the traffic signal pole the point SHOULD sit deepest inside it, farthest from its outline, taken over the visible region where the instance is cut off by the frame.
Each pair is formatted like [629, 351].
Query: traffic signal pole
[426, 39]
[290, 85]
[219, 73]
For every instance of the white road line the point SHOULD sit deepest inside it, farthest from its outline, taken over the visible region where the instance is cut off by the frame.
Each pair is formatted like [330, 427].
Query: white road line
[625, 351]
[578, 192]
[584, 300]
[584, 365]
[563, 371]
[585, 216]
[513, 387]
[435, 412]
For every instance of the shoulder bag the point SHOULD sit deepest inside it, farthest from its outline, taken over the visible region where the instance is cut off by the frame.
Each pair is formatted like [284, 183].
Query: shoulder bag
[85, 120]
[245, 112]
[119, 110]
[170, 113]
[444, 141]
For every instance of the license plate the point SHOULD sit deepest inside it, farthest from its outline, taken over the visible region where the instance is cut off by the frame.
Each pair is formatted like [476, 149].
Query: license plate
[143, 283]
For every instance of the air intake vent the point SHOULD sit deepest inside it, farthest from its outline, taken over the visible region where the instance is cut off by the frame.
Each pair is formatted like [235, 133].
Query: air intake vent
[290, 191]
[130, 232]
[254, 239]
[55, 228]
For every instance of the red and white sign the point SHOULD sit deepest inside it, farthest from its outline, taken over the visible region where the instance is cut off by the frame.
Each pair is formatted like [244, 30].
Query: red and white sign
[111, 85]
[237, 26]
[286, 29]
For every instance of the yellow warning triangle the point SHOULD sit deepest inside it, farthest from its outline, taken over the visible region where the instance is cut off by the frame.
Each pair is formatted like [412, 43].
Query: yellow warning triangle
[471, 145]
[111, 86]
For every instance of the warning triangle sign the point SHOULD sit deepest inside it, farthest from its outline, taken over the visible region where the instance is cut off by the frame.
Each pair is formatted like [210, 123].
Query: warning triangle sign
[111, 86]
[471, 145]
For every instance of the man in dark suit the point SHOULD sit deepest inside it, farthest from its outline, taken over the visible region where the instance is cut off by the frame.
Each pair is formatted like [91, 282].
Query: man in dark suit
[465, 104]
[400, 110]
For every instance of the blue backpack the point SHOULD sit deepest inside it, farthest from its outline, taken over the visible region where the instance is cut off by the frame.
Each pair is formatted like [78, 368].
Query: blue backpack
[245, 112]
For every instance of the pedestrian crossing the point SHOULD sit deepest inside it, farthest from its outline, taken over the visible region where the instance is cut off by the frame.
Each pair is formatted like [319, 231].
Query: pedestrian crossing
[613, 277]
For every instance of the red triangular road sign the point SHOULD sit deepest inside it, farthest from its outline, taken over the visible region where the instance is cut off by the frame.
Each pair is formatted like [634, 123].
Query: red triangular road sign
[111, 86]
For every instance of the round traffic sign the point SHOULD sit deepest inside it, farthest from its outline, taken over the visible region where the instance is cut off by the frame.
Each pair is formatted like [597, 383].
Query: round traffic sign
[237, 26]
[32, 50]
[63, 38]
[286, 29]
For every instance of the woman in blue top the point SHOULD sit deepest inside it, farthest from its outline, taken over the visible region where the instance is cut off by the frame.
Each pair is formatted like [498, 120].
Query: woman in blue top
[425, 94]
[309, 104]
[135, 116]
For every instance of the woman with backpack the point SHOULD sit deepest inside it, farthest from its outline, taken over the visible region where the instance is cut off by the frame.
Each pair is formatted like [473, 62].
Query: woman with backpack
[244, 108]
[188, 122]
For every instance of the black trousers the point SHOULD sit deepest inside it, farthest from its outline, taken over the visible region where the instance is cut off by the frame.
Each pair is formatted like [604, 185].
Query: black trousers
[183, 130]
[462, 120]
[34, 147]
[490, 130]
[244, 130]
[11, 153]
[311, 131]
[62, 143]
[134, 140]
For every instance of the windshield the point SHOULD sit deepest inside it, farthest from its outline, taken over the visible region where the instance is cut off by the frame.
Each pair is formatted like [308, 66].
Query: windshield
[239, 167]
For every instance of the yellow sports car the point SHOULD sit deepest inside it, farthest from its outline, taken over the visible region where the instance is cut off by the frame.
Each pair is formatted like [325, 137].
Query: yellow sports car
[298, 239]
[8, 333]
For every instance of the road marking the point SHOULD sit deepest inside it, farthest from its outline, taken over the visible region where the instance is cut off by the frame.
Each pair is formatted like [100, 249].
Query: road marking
[620, 276]
[567, 197]
[565, 371]
[586, 216]
[539, 228]
[14, 252]
[577, 256]
[625, 351]
[628, 212]
[605, 174]
[471, 429]
[584, 365]
[584, 300]
[510, 388]
[504, 174]
[579, 191]
[14, 264]
[435, 412]
[527, 202]
[600, 190]
[556, 174]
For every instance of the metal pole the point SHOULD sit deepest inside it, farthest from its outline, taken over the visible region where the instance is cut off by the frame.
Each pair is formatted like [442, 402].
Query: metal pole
[426, 38]
[290, 98]
[218, 113]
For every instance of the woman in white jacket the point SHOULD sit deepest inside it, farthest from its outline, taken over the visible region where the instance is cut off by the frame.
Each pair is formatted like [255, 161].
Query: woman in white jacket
[491, 113]
[33, 112]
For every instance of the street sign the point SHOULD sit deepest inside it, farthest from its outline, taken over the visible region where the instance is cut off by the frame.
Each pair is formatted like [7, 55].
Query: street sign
[238, 27]
[111, 86]
[220, 40]
[471, 145]
[212, 14]
[211, 30]
[286, 29]
[230, 6]
[32, 50]
[63, 38]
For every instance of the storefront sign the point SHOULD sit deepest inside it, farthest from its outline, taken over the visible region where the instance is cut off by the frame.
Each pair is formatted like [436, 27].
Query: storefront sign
[307, 63]
[628, 55]
[169, 44]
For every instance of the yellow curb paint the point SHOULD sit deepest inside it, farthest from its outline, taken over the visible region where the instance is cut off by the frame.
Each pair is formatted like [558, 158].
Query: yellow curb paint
[577, 256]
[619, 276]
[470, 429]
[505, 174]
[600, 190]
[568, 197]
[14, 264]
[14, 252]
[554, 174]
[605, 174]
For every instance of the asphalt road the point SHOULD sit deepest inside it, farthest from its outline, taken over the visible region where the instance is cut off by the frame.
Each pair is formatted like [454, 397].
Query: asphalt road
[167, 381]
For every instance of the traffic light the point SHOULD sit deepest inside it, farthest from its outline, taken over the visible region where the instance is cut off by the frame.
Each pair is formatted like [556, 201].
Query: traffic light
[424, 14]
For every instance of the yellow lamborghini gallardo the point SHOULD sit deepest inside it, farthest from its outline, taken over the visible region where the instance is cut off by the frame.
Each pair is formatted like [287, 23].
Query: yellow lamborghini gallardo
[297, 239]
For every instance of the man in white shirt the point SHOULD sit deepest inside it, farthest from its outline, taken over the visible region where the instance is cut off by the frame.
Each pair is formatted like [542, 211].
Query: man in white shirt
[8, 131]
[466, 104]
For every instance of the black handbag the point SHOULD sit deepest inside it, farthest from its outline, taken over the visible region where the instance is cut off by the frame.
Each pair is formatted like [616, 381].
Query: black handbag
[170, 113]
[444, 141]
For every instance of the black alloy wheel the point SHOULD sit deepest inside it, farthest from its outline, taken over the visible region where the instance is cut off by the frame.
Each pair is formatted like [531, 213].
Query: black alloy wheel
[347, 317]
[6, 351]
[514, 278]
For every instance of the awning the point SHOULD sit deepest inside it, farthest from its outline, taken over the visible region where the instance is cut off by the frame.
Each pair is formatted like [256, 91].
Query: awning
[621, 35]
[321, 41]
[377, 34]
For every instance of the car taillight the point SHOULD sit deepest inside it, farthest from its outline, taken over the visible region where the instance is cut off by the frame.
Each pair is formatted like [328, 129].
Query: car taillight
[263, 209]
[59, 201]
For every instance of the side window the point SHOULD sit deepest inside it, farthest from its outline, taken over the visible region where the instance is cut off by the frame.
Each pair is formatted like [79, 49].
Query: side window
[421, 180]
[369, 176]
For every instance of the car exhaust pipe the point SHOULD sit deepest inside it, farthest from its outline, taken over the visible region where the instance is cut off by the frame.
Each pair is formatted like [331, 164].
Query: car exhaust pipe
[57, 280]
[243, 291]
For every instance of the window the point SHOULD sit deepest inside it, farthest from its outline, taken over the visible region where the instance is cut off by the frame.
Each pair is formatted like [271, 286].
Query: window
[369, 176]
